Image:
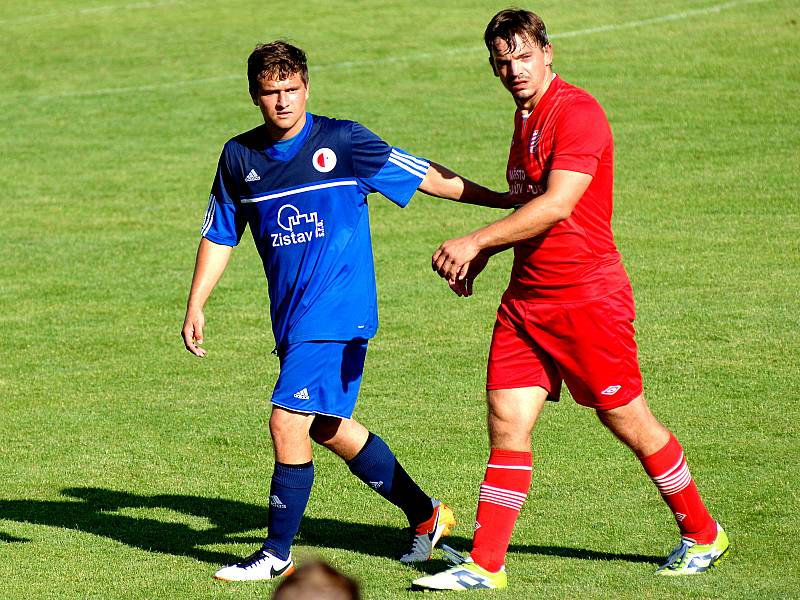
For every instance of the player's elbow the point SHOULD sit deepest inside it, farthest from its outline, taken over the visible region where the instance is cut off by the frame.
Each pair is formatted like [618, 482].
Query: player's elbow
[560, 211]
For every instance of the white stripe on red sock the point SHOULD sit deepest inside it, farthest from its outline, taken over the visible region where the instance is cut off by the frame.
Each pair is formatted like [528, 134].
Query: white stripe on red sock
[508, 498]
[675, 479]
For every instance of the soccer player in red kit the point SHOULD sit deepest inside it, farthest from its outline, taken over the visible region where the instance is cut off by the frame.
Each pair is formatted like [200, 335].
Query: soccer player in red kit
[567, 314]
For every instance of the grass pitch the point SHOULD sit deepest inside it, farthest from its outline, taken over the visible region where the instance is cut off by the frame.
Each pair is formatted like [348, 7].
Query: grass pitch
[130, 469]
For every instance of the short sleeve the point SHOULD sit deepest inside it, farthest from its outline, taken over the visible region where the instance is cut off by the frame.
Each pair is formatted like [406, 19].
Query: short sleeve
[224, 221]
[385, 169]
[582, 134]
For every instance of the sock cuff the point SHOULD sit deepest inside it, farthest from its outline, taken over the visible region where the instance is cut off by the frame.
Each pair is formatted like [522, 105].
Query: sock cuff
[294, 476]
[666, 458]
[373, 451]
[272, 547]
[498, 456]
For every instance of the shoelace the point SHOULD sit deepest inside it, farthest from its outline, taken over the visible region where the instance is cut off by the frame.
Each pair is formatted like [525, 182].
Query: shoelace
[252, 560]
[454, 556]
[678, 555]
[416, 544]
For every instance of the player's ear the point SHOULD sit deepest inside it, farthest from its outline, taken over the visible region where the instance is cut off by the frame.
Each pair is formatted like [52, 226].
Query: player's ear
[253, 97]
[308, 88]
[548, 55]
[494, 67]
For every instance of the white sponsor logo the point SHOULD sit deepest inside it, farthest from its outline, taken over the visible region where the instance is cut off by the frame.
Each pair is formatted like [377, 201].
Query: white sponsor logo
[324, 160]
[252, 176]
[519, 184]
[275, 502]
[376, 484]
[680, 516]
[477, 526]
[302, 394]
[290, 219]
[611, 390]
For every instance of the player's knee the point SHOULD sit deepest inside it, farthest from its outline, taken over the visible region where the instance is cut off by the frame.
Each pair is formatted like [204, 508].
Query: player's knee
[635, 426]
[508, 433]
[513, 413]
[287, 425]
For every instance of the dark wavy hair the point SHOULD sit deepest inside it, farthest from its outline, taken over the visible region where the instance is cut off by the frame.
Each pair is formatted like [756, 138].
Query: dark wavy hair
[277, 60]
[515, 21]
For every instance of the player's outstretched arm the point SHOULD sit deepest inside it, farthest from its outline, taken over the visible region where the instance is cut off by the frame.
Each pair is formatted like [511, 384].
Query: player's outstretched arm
[444, 183]
[208, 268]
[564, 189]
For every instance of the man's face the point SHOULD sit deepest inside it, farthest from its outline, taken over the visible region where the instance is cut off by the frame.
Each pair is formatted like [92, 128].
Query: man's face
[525, 71]
[283, 104]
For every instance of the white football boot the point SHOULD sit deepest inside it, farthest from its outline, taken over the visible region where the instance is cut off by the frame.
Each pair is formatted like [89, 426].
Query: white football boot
[260, 565]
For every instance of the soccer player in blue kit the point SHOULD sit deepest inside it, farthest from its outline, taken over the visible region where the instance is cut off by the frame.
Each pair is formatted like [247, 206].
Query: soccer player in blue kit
[300, 181]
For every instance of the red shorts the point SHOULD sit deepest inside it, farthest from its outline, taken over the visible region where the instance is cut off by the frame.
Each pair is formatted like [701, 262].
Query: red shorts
[589, 345]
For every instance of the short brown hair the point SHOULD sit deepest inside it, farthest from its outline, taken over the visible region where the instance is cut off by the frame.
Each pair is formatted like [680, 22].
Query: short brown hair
[515, 21]
[277, 60]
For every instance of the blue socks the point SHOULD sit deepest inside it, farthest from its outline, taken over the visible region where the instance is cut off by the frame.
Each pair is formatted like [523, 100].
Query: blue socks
[288, 497]
[377, 466]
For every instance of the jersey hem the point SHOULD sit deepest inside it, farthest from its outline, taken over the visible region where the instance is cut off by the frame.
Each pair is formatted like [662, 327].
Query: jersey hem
[512, 294]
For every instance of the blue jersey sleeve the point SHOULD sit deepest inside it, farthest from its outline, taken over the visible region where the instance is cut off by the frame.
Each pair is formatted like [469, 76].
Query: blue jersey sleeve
[382, 168]
[224, 222]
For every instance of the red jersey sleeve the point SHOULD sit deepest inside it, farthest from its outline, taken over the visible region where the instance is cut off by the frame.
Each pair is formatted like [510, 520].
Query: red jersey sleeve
[582, 133]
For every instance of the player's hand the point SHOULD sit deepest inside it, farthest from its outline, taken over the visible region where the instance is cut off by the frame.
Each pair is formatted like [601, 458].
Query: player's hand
[451, 258]
[192, 332]
[463, 287]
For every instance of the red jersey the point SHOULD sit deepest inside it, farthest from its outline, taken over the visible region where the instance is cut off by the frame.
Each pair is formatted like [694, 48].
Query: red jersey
[576, 259]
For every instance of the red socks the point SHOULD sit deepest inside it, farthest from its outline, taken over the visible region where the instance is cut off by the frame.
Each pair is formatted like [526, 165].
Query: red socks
[503, 491]
[669, 471]
[508, 480]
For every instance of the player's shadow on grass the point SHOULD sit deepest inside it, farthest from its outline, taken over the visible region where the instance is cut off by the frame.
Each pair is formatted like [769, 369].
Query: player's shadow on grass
[113, 514]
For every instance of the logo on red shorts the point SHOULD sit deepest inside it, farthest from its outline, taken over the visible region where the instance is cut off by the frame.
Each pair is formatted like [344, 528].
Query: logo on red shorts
[611, 390]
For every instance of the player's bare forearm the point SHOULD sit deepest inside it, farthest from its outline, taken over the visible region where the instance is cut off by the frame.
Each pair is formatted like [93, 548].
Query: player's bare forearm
[209, 265]
[564, 189]
[444, 183]
[208, 268]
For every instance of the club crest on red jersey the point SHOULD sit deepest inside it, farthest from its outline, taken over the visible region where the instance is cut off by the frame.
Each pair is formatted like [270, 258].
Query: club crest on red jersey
[324, 160]
[534, 145]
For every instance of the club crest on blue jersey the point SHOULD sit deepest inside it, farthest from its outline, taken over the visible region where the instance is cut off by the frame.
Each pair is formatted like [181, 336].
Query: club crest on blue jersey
[300, 228]
[324, 160]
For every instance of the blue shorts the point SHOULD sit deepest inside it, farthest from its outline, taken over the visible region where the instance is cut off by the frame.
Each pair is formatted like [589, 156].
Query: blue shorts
[321, 377]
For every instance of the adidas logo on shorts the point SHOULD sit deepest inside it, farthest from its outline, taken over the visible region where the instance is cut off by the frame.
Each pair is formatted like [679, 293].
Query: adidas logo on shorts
[252, 176]
[302, 394]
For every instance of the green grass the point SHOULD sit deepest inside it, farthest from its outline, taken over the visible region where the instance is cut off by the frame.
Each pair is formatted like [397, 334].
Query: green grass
[129, 469]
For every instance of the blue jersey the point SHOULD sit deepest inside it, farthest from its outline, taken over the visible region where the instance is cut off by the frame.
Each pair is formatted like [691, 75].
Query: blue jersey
[306, 204]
